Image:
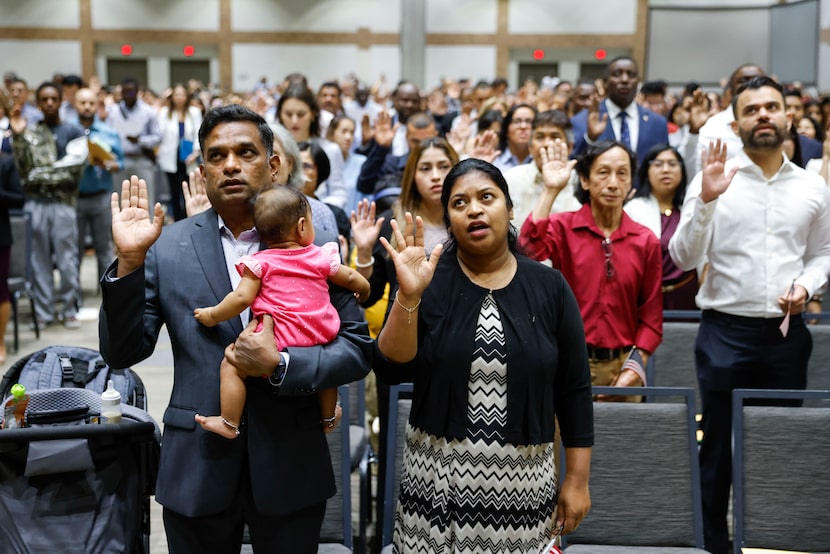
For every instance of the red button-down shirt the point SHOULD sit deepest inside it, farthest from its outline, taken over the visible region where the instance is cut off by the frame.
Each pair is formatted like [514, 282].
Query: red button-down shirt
[623, 309]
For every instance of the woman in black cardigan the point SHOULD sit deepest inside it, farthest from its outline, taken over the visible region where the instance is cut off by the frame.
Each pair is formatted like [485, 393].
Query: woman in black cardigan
[11, 197]
[495, 347]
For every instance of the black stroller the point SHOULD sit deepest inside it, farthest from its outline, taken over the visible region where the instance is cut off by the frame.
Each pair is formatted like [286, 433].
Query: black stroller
[69, 485]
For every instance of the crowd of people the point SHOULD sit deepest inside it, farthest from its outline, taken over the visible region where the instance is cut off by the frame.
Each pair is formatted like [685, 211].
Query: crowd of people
[635, 200]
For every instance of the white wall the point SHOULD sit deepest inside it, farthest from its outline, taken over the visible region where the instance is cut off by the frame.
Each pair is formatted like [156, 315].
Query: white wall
[572, 16]
[473, 62]
[464, 16]
[179, 15]
[318, 63]
[38, 60]
[381, 16]
[39, 13]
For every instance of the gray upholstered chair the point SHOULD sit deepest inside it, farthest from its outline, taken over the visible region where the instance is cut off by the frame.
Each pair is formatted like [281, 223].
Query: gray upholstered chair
[781, 494]
[818, 370]
[400, 404]
[645, 478]
[674, 359]
[336, 533]
[20, 270]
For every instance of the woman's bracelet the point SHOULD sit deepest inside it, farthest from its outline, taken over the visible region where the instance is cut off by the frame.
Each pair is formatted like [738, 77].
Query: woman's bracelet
[329, 421]
[368, 264]
[408, 310]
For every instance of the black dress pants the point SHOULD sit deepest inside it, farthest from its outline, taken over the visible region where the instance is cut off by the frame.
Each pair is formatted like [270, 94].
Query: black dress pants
[733, 352]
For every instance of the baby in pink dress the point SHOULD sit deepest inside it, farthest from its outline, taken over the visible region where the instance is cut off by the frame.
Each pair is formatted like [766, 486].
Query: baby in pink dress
[289, 282]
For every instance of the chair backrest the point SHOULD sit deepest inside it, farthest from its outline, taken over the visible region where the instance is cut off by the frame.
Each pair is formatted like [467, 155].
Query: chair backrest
[674, 359]
[400, 404]
[818, 369]
[337, 522]
[645, 478]
[357, 403]
[20, 267]
[781, 494]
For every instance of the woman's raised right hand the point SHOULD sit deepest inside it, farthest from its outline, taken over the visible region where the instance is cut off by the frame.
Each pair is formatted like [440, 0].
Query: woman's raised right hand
[412, 267]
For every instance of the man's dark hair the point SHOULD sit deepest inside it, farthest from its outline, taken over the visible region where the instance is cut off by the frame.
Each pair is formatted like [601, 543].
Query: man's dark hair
[499, 82]
[731, 85]
[231, 113]
[130, 81]
[72, 79]
[556, 118]
[420, 120]
[48, 84]
[792, 92]
[754, 84]
[618, 59]
[331, 84]
[654, 87]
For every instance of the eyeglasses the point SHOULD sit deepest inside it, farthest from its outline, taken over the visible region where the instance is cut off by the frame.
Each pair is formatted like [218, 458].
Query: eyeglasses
[658, 164]
[519, 122]
[606, 249]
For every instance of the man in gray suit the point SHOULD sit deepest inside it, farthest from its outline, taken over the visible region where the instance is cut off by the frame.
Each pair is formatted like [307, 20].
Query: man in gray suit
[276, 476]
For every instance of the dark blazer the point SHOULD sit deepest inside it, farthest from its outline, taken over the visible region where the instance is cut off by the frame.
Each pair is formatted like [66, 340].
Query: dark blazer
[653, 131]
[810, 149]
[380, 163]
[11, 196]
[282, 442]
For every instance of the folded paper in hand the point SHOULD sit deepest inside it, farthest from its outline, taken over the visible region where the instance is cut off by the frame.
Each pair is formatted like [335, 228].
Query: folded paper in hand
[99, 152]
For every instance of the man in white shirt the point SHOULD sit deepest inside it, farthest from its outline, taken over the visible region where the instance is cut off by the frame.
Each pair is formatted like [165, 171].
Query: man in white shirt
[763, 224]
[525, 180]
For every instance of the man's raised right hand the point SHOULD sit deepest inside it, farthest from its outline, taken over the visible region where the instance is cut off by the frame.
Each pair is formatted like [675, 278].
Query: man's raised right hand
[133, 232]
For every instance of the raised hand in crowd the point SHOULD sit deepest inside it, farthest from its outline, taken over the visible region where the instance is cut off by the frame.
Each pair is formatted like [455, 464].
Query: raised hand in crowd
[195, 195]
[460, 133]
[715, 181]
[133, 231]
[485, 146]
[596, 122]
[365, 233]
[699, 111]
[556, 168]
[384, 130]
[367, 131]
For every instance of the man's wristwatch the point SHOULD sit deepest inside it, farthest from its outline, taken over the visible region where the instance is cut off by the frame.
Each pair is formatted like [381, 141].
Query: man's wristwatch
[278, 376]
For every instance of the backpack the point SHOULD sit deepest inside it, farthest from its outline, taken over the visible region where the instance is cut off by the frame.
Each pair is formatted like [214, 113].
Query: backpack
[56, 367]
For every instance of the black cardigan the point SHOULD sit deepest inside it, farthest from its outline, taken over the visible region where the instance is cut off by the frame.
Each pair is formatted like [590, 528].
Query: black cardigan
[547, 363]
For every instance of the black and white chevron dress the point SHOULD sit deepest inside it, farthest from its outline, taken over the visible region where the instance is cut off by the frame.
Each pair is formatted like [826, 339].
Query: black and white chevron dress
[479, 494]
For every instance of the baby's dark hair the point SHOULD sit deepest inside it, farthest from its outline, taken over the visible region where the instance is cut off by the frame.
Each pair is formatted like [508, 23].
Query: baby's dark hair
[277, 210]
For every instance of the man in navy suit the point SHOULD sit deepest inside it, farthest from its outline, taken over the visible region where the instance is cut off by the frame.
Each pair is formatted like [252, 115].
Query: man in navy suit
[639, 128]
[276, 476]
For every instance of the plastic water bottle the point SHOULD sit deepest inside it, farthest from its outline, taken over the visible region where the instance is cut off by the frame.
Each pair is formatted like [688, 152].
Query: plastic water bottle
[110, 405]
[15, 409]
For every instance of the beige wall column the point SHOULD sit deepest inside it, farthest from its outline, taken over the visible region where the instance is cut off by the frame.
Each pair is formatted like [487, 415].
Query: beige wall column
[413, 41]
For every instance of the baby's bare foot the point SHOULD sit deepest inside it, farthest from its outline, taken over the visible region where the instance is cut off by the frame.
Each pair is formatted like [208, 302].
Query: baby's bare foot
[218, 425]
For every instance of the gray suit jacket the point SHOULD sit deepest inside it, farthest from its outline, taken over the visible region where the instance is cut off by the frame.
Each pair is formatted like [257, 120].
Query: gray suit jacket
[282, 442]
